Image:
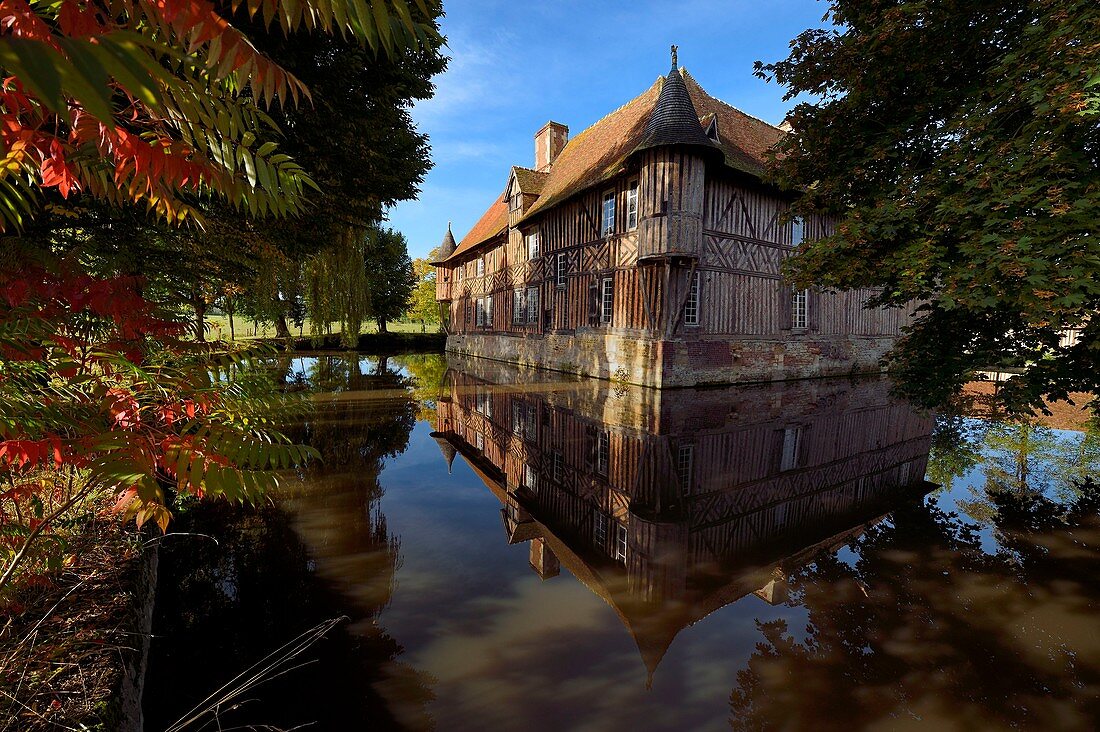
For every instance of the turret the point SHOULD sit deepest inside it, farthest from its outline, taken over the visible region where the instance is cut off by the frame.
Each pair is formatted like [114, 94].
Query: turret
[443, 273]
[673, 154]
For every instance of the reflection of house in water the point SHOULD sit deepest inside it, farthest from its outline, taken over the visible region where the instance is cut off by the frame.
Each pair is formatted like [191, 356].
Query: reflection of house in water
[670, 504]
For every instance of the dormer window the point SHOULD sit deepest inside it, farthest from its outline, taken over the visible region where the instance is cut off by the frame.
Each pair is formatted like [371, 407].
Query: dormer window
[607, 220]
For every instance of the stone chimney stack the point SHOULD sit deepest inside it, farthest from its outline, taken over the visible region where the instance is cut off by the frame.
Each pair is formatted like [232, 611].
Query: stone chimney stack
[549, 141]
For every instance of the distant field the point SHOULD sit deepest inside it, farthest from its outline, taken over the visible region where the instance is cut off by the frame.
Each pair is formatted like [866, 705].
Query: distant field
[218, 328]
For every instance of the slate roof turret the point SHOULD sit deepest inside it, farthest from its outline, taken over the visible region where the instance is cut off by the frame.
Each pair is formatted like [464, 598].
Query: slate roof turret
[674, 120]
[447, 248]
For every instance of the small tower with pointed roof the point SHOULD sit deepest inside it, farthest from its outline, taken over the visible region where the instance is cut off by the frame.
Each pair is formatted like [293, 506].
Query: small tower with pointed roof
[674, 141]
[443, 284]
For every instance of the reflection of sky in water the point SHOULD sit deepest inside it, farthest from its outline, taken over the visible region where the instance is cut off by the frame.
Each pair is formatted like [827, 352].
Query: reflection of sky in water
[965, 492]
[508, 650]
[507, 646]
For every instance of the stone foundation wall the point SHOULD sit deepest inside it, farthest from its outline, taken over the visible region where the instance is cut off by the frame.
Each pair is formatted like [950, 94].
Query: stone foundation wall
[630, 359]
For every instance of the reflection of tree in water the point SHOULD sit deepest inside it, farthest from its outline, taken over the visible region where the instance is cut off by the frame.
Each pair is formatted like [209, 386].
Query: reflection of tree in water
[1020, 456]
[427, 371]
[325, 551]
[924, 626]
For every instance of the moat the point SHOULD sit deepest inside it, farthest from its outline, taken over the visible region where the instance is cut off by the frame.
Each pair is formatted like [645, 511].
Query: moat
[511, 549]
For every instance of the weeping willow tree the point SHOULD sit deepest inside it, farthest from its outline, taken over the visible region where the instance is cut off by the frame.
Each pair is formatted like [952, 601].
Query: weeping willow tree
[364, 274]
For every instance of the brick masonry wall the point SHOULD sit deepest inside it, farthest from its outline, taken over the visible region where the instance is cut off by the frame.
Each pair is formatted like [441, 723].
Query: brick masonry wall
[634, 360]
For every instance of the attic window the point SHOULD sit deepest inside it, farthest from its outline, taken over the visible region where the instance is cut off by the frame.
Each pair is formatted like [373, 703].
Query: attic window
[516, 201]
[711, 130]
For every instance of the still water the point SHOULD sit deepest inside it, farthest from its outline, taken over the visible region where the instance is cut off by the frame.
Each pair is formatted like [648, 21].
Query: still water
[515, 550]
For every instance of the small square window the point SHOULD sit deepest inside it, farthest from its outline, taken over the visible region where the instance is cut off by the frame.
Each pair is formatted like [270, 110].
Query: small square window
[531, 242]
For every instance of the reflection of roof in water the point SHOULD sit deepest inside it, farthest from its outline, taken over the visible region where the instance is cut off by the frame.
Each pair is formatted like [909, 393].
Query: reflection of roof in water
[654, 625]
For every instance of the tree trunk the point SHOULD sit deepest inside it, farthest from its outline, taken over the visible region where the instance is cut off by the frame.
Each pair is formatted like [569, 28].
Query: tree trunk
[382, 325]
[232, 333]
[282, 330]
[200, 319]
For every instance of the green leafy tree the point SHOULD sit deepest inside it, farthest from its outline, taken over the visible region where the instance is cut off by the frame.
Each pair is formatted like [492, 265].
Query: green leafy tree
[957, 146]
[389, 274]
[422, 304]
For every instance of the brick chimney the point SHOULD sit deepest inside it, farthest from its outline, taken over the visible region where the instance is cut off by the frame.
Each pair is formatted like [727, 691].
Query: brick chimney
[549, 141]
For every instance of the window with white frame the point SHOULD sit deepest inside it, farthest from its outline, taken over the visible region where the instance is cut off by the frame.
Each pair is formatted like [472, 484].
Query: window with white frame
[607, 299]
[517, 417]
[632, 206]
[601, 524]
[798, 231]
[685, 466]
[792, 441]
[531, 241]
[607, 219]
[603, 452]
[484, 403]
[800, 309]
[460, 270]
[559, 467]
[479, 441]
[519, 306]
[530, 478]
[479, 306]
[488, 311]
[533, 305]
[480, 266]
[531, 429]
[691, 305]
[563, 268]
[620, 543]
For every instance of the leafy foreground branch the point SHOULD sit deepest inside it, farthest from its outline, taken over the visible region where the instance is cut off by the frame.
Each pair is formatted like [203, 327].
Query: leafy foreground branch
[957, 146]
[99, 396]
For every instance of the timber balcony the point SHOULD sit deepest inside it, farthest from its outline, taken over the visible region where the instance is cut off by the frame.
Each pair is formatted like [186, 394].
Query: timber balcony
[670, 235]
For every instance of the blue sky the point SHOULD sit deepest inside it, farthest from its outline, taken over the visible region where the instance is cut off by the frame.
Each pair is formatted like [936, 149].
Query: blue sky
[514, 65]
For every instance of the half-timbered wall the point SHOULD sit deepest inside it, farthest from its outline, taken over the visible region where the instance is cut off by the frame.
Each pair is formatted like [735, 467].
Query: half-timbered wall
[741, 242]
[764, 480]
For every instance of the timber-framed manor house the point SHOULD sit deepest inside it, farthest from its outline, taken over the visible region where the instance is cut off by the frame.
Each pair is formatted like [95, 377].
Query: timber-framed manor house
[647, 249]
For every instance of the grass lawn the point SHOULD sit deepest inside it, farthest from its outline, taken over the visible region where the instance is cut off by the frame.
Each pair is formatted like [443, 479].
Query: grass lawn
[218, 328]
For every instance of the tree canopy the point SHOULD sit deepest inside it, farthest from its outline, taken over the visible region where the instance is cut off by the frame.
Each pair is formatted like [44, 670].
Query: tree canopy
[957, 146]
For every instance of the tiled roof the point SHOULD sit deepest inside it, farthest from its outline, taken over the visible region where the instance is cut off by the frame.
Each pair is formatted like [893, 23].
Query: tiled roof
[530, 181]
[491, 223]
[600, 152]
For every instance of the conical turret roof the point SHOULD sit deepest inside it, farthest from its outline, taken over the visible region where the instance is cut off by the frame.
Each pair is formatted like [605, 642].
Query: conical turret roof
[447, 248]
[674, 120]
[445, 447]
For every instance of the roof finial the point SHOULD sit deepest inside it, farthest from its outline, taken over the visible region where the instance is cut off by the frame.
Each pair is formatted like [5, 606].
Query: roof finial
[674, 49]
